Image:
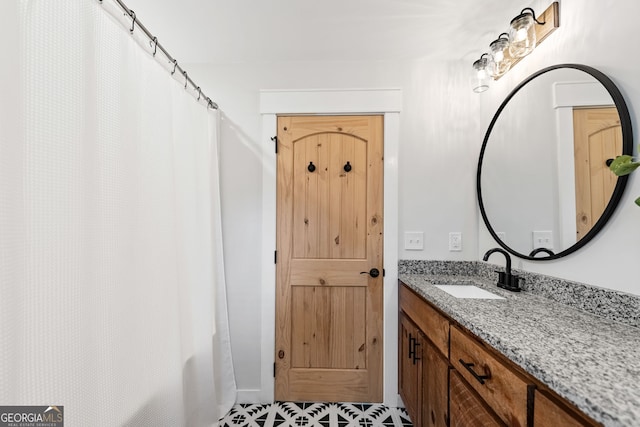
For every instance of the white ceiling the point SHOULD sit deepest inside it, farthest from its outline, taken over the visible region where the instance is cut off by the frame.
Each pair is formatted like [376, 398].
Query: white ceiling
[224, 31]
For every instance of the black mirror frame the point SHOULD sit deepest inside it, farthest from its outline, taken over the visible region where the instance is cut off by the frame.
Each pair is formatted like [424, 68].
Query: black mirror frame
[627, 148]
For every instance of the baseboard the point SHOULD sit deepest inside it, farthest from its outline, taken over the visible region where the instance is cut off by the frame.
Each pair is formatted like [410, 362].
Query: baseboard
[251, 396]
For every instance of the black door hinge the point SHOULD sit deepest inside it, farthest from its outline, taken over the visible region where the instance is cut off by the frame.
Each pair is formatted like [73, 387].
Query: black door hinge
[274, 369]
[275, 140]
[383, 272]
[275, 257]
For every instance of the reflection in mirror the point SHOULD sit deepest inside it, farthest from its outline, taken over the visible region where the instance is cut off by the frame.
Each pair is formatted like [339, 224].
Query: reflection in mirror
[543, 181]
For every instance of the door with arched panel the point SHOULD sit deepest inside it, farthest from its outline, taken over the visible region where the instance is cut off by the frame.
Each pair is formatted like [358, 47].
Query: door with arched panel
[329, 273]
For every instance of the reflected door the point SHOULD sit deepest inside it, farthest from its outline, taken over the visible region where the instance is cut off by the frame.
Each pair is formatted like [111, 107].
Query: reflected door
[329, 231]
[597, 138]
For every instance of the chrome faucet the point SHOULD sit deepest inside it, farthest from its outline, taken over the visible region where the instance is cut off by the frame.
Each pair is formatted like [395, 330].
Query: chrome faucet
[505, 279]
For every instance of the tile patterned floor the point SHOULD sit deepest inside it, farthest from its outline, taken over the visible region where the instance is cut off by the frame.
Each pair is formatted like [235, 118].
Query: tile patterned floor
[298, 414]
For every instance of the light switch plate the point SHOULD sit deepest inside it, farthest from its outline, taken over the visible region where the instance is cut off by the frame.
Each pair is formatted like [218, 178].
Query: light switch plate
[543, 239]
[414, 240]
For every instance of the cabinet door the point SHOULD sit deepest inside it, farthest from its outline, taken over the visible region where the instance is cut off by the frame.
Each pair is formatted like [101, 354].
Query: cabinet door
[435, 388]
[410, 368]
[467, 409]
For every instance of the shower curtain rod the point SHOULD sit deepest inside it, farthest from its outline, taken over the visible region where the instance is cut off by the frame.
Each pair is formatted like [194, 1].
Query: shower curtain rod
[153, 41]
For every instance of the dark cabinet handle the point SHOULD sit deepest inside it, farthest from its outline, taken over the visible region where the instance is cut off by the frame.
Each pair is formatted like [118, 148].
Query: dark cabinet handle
[311, 167]
[411, 349]
[416, 344]
[374, 272]
[413, 345]
[347, 167]
[469, 367]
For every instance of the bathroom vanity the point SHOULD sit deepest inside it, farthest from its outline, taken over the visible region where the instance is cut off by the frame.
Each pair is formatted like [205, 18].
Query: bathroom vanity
[523, 360]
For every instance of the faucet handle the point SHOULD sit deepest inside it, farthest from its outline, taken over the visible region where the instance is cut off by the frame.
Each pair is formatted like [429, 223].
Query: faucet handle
[502, 278]
[515, 283]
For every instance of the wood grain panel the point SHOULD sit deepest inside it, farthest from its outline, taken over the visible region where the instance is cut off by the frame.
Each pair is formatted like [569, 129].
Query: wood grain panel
[329, 317]
[548, 413]
[435, 402]
[467, 409]
[326, 329]
[345, 385]
[313, 272]
[597, 137]
[410, 372]
[434, 325]
[505, 391]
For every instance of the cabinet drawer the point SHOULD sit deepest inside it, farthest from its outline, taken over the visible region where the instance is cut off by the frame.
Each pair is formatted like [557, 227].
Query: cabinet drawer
[433, 324]
[502, 388]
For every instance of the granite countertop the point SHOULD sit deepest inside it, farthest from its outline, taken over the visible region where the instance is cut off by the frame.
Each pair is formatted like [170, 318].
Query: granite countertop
[589, 360]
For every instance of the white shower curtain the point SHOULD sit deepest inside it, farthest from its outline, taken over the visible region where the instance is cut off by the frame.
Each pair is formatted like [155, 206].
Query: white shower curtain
[112, 292]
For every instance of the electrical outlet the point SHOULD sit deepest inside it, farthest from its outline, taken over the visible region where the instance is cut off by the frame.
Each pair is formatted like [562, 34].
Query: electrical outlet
[414, 240]
[543, 239]
[455, 241]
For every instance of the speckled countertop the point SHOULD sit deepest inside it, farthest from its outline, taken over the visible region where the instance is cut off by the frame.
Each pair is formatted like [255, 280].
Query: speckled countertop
[589, 360]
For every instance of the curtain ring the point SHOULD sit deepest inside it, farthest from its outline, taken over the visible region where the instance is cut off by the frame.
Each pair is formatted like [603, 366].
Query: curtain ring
[175, 64]
[209, 102]
[132, 14]
[155, 45]
[199, 93]
[186, 78]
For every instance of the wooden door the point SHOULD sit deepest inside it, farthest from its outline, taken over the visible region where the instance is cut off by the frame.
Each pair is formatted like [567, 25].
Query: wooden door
[329, 231]
[597, 137]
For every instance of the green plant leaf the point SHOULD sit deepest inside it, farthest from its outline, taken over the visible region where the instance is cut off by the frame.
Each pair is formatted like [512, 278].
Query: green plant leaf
[638, 201]
[623, 165]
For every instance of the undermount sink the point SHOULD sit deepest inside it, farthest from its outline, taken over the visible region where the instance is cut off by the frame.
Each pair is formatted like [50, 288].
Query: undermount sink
[468, 291]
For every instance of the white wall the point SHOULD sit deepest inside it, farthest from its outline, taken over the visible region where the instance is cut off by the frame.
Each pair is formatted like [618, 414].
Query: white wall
[600, 34]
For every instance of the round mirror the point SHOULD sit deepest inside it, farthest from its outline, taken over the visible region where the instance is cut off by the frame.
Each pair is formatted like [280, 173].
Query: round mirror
[544, 185]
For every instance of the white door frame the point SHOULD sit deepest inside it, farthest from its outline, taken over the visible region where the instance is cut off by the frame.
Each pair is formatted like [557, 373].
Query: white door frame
[387, 102]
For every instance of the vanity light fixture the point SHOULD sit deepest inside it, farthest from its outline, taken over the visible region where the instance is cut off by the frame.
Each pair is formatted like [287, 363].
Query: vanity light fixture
[481, 74]
[525, 33]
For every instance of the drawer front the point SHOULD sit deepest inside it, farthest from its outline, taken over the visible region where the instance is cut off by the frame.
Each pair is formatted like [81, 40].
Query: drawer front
[503, 390]
[433, 324]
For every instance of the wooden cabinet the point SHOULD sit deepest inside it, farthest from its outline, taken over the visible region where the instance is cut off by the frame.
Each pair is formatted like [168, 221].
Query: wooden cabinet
[423, 377]
[448, 377]
[410, 368]
[423, 361]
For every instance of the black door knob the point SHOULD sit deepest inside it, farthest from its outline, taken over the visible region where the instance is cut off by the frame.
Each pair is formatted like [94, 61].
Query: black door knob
[311, 167]
[347, 167]
[374, 272]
